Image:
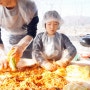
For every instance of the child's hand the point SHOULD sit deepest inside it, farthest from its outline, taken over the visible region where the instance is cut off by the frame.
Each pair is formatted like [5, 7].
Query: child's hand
[63, 63]
[49, 66]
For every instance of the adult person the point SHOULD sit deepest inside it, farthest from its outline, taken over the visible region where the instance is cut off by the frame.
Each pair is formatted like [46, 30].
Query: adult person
[18, 23]
[48, 46]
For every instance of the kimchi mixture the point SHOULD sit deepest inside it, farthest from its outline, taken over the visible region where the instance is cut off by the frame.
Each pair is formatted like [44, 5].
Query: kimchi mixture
[33, 78]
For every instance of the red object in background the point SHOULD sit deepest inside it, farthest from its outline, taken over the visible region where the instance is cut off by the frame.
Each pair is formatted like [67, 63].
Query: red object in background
[85, 55]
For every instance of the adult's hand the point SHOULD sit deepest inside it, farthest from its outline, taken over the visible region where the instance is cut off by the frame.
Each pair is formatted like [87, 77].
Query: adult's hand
[3, 64]
[14, 56]
[16, 52]
[3, 60]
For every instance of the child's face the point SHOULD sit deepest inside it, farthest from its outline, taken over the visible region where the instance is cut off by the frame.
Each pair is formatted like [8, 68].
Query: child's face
[52, 27]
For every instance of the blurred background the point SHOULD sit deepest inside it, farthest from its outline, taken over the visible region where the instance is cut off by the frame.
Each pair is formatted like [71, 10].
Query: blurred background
[76, 14]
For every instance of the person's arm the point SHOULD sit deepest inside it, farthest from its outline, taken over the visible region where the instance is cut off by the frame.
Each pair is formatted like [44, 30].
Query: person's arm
[37, 49]
[3, 61]
[70, 52]
[70, 48]
[32, 27]
[32, 30]
[24, 43]
[21, 46]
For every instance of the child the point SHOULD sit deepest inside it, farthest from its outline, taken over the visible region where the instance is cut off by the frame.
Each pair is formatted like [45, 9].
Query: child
[48, 46]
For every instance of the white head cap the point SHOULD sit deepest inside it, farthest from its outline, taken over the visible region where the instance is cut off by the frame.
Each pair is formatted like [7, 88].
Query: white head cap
[52, 16]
